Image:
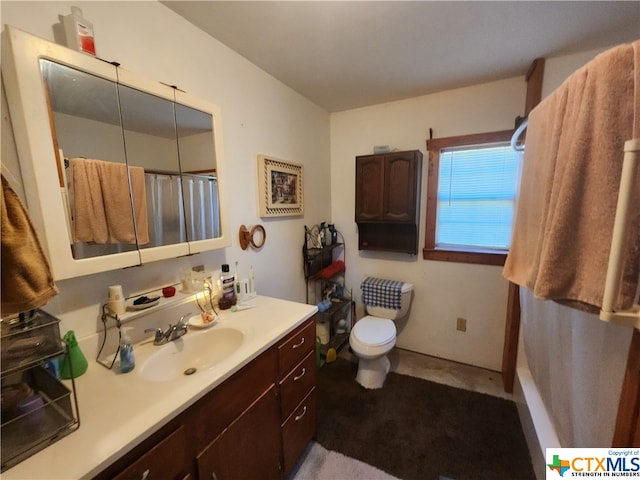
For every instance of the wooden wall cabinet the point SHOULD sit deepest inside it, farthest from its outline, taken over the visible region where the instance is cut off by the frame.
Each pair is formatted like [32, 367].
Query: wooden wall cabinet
[388, 201]
[256, 424]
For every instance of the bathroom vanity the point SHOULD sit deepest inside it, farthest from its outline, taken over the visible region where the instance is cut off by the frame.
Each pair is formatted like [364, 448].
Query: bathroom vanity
[249, 416]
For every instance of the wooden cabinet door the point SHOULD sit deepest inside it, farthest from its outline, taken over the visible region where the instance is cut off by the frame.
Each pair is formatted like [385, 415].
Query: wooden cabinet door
[167, 460]
[249, 448]
[369, 188]
[400, 187]
[298, 430]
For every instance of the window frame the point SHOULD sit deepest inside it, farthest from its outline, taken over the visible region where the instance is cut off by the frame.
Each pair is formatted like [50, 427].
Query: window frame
[434, 147]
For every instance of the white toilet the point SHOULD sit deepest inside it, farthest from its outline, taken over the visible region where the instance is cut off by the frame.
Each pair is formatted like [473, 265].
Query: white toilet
[373, 336]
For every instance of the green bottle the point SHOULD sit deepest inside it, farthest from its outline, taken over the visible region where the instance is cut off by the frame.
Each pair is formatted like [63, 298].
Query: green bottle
[74, 360]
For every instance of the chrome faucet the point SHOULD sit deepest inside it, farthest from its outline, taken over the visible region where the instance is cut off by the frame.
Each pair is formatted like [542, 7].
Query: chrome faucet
[172, 333]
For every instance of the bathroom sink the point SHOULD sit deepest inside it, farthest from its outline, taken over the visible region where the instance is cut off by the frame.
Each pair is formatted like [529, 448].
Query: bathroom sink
[192, 353]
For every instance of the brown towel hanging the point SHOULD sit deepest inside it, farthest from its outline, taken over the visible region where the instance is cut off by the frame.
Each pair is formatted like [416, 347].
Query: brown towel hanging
[27, 282]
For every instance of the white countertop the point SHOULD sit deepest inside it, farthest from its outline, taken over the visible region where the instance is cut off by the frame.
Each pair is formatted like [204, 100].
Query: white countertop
[118, 411]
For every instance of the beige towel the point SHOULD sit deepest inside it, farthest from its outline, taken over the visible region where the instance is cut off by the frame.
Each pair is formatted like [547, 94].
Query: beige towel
[27, 282]
[102, 204]
[571, 175]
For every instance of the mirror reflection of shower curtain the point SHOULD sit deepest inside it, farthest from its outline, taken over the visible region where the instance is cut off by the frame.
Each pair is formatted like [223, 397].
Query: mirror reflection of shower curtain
[164, 209]
[202, 209]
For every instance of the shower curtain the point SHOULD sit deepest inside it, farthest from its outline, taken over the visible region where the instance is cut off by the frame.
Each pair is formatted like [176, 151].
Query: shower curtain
[165, 210]
[202, 209]
[578, 364]
[171, 220]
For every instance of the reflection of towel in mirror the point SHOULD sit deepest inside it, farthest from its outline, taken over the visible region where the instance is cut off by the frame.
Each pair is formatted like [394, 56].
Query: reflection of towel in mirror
[102, 205]
[27, 282]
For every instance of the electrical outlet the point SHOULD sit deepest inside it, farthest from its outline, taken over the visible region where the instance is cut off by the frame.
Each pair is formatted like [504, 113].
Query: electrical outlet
[461, 324]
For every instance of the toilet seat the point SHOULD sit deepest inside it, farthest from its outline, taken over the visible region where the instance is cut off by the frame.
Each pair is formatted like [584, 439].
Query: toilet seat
[374, 331]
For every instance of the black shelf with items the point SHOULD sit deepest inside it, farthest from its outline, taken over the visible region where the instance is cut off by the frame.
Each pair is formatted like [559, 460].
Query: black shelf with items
[37, 408]
[324, 269]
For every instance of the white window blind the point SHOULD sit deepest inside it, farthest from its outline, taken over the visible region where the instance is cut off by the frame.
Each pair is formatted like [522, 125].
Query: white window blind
[477, 191]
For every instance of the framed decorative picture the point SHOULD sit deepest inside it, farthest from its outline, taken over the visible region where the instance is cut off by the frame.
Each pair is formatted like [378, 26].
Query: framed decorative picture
[280, 191]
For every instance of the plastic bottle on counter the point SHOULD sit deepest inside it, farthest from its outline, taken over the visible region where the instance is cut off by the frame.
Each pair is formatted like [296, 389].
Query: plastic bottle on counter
[252, 282]
[236, 282]
[127, 360]
[227, 281]
[79, 32]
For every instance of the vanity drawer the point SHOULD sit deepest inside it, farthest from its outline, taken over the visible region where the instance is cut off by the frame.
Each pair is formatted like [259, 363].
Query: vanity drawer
[298, 344]
[299, 430]
[297, 384]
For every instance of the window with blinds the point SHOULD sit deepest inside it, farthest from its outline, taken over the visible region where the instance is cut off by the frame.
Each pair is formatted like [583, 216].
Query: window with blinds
[477, 192]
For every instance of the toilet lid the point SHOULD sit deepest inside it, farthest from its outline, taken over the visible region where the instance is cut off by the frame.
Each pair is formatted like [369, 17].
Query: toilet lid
[374, 331]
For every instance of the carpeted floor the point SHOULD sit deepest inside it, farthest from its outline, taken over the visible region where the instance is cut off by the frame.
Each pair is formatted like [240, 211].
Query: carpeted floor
[416, 429]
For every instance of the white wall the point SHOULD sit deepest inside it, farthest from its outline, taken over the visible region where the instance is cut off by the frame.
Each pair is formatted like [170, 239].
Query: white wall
[443, 290]
[260, 115]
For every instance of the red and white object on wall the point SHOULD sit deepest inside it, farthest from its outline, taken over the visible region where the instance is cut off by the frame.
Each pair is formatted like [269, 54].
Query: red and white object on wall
[79, 32]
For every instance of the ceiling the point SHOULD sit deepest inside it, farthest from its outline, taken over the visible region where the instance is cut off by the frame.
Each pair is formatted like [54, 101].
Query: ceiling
[344, 55]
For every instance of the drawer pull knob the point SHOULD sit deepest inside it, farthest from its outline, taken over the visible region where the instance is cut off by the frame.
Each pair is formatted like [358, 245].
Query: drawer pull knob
[145, 474]
[304, 370]
[304, 411]
[214, 476]
[298, 345]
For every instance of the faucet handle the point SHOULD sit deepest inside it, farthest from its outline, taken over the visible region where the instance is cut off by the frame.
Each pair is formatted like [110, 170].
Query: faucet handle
[159, 334]
[181, 322]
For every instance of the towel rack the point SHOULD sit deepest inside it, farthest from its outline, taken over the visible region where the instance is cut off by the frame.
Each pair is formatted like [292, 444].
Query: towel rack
[516, 135]
[630, 166]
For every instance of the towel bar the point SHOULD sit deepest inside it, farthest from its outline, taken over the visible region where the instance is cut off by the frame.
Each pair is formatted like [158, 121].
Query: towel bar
[630, 167]
[516, 135]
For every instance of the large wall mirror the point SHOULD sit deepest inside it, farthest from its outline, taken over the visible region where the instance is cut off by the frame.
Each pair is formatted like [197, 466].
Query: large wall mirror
[118, 169]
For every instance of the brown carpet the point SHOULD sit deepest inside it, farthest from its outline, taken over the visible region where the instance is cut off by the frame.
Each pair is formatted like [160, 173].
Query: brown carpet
[416, 429]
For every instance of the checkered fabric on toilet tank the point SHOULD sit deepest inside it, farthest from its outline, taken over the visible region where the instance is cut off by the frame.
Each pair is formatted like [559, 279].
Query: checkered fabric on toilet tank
[378, 292]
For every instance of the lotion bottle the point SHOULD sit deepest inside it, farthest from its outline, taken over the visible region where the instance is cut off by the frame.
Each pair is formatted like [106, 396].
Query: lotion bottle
[127, 360]
[227, 282]
[79, 32]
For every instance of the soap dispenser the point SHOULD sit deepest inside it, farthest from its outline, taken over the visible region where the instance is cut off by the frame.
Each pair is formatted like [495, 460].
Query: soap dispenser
[127, 360]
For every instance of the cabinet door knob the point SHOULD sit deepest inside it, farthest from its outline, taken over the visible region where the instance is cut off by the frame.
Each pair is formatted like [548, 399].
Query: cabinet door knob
[298, 345]
[145, 474]
[304, 411]
[304, 370]
[214, 476]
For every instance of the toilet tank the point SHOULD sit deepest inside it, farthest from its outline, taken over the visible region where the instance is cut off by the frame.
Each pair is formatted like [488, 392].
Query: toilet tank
[405, 302]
